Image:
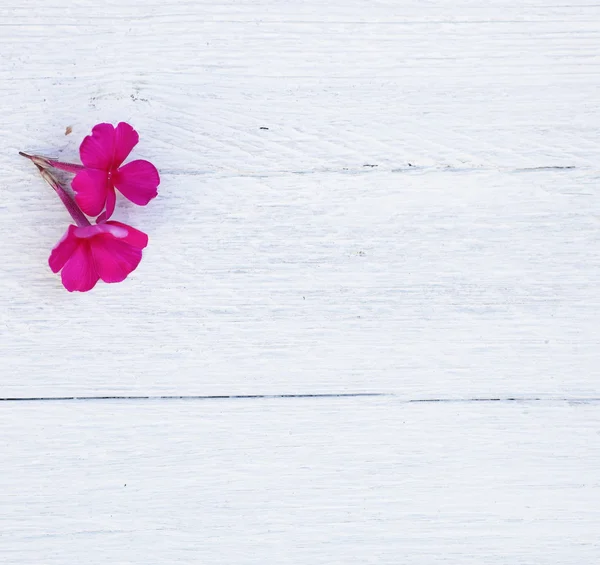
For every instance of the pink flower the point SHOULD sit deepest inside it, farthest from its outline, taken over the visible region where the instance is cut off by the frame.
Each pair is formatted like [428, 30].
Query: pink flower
[102, 155]
[107, 251]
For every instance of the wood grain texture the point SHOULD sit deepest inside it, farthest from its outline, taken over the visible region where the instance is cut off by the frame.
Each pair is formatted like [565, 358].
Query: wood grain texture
[386, 197]
[284, 260]
[300, 481]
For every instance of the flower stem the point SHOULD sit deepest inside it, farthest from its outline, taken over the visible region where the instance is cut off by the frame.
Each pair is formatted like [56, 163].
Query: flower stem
[47, 162]
[70, 204]
[41, 163]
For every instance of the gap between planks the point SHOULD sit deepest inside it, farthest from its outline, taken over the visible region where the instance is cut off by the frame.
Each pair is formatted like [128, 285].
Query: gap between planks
[527, 399]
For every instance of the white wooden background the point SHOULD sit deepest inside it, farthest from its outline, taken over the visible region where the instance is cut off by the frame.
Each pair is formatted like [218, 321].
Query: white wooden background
[420, 219]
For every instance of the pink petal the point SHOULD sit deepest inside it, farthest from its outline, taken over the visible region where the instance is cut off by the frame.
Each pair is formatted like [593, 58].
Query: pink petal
[114, 259]
[111, 199]
[134, 237]
[126, 139]
[87, 232]
[79, 272]
[137, 181]
[63, 250]
[97, 150]
[91, 188]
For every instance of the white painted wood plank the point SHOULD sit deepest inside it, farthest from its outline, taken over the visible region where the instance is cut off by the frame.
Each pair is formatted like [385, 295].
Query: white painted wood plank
[299, 481]
[278, 262]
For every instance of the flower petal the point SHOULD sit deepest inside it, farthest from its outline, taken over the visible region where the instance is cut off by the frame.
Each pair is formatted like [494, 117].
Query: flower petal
[79, 272]
[91, 188]
[97, 150]
[63, 250]
[111, 199]
[137, 181]
[87, 232]
[126, 139]
[134, 237]
[113, 258]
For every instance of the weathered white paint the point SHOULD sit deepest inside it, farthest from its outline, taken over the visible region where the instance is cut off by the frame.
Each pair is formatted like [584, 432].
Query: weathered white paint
[299, 481]
[421, 218]
[280, 263]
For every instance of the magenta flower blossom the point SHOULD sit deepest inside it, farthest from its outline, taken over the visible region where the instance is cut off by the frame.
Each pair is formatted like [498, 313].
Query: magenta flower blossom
[87, 253]
[107, 251]
[102, 155]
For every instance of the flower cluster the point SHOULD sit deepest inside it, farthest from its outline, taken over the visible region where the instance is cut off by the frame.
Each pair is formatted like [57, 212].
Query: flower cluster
[106, 250]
